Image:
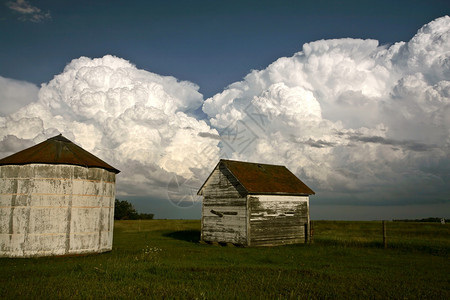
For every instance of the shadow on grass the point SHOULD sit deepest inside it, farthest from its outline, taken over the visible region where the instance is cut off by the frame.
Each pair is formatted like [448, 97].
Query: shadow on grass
[192, 236]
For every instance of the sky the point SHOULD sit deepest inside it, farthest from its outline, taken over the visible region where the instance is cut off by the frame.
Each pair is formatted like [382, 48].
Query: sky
[354, 98]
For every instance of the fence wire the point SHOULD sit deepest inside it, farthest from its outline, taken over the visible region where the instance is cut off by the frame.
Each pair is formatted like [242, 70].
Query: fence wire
[405, 235]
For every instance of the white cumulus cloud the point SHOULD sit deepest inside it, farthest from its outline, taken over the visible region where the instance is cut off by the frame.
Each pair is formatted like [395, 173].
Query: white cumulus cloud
[361, 122]
[16, 93]
[138, 121]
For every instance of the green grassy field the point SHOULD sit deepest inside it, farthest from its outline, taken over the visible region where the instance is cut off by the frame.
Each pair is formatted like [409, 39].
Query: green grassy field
[164, 259]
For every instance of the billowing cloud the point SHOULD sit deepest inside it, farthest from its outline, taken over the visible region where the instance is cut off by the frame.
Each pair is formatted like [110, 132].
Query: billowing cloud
[15, 93]
[139, 122]
[28, 12]
[362, 123]
[359, 121]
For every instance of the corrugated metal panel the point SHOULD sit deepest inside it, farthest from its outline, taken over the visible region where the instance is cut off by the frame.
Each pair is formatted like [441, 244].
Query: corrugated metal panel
[57, 150]
[265, 179]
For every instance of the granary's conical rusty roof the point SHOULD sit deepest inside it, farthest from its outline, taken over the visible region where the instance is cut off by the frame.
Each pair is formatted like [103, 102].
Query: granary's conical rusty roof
[57, 150]
[259, 178]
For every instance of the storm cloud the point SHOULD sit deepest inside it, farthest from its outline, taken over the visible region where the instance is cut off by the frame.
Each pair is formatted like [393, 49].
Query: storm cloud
[407, 145]
[140, 122]
[358, 121]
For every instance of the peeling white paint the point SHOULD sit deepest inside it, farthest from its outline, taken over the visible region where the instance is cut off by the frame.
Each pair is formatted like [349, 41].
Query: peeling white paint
[55, 210]
[231, 215]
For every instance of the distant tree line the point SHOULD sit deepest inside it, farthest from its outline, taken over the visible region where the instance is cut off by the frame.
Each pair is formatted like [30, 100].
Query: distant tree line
[431, 220]
[124, 210]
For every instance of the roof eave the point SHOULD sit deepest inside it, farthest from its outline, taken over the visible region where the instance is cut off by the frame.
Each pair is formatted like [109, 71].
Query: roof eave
[114, 170]
[280, 194]
[200, 190]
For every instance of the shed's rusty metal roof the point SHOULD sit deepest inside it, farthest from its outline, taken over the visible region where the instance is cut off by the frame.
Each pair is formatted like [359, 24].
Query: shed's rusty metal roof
[57, 150]
[259, 178]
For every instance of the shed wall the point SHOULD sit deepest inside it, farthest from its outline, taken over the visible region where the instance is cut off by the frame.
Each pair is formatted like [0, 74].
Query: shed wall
[55, 210]
[277, 220]
[224, 210]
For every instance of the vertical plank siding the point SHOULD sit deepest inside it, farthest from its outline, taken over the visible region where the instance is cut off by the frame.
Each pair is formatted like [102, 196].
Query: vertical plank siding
[231, 215]
[277, 220]
[224, 212]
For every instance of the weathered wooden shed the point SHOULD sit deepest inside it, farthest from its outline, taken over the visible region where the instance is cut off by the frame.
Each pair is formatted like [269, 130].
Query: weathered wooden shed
[55, 199]
[254, 204]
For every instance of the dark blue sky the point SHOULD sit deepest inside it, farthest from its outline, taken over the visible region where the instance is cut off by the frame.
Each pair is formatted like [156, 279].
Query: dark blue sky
[211, 43]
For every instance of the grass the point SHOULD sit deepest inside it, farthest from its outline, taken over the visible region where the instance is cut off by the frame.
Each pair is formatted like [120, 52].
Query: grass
[164, 259]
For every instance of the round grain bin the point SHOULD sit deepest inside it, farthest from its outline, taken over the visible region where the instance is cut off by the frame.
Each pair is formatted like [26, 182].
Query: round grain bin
[55, 199]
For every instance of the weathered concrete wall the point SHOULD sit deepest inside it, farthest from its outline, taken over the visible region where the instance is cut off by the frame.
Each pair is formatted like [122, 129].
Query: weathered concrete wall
[224, 210]
[277, 220]
[55, 210]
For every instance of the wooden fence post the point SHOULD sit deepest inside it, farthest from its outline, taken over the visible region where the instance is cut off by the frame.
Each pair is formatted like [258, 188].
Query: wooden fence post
[384, 235]
[307, 235]
[311, 232]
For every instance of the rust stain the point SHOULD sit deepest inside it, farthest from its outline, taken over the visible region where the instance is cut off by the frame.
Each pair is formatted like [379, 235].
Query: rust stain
[54, 207]
[76, 195]
[14, 194]
[56, 179]
[57, 233]
[57, 150]
[266, 179]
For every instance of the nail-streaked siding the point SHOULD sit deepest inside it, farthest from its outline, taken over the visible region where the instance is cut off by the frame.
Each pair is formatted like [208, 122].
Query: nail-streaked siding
[277, 220]
[224, 211]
